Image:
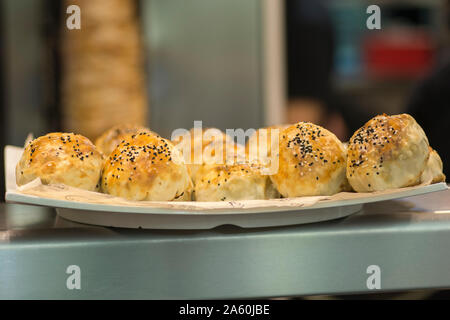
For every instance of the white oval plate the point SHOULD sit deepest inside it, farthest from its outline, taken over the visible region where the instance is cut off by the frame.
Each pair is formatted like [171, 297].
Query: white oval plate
[100, 209]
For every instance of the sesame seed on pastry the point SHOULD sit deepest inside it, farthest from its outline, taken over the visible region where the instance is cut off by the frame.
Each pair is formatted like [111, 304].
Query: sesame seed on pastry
[387, 152]
[233, 182]
[146, 167]
[311, 162]
[65, 158]
[109, 140]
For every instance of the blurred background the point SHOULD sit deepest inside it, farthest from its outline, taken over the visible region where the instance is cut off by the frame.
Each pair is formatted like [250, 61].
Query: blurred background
[230, 63]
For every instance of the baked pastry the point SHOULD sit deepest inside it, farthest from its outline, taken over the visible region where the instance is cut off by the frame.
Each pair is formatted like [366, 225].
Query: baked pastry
[433, 172]
[311, 162]
[206, 148]
[66, 158]
[146, 167]
[233, 182]
[346, 187]
[259, 146]
[109, 140]
[193, 143]
[387, 152]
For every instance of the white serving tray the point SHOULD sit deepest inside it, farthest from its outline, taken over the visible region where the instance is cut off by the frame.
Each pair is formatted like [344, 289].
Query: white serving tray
[105, 210]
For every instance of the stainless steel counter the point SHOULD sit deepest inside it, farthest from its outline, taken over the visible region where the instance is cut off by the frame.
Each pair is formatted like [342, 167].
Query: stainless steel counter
[409, 240]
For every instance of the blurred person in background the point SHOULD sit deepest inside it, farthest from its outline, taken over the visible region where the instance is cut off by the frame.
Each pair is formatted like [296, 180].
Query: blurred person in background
[310, 54]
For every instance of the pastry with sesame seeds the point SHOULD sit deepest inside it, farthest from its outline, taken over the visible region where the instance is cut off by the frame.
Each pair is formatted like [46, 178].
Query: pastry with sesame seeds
[387, 152]
[146, 167]
[234, 182]
[61, 158]
[311, 162]
[109, 140]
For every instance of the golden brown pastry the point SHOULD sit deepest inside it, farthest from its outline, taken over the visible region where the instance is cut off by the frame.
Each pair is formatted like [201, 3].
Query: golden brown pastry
[193, 143]
[311, 162]
[346, 187]
[233, 182]
[433, 171]
[65, 158]
[259, 146]
[109, 140]
[199, 137]
[387, 152]
[146, 167]
[208, 147]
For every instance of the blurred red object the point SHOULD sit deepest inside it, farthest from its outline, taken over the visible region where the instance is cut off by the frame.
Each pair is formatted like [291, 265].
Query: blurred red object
[398, 53]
